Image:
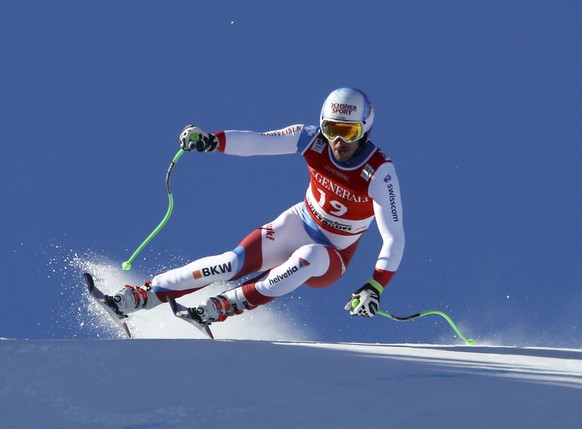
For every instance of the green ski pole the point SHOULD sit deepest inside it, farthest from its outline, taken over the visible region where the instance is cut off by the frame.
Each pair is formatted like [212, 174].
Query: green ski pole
[468, 341]
[127, 264]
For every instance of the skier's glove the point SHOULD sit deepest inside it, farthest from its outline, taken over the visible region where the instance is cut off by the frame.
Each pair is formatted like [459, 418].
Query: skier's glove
[194, 137]
[365, 301]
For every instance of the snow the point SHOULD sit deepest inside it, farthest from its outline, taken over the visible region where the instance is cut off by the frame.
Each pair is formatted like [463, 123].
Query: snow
[265, 371]
[190, 383]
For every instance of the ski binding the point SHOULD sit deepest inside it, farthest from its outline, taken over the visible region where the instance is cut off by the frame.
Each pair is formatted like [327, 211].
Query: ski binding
[182, 312]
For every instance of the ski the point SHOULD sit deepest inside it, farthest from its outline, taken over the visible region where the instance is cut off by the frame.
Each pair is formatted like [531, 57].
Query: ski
[100, 298]
[182, 312]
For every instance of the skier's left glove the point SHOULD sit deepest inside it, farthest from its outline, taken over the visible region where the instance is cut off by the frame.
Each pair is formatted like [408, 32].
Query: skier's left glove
[194, 137]
[366, 300]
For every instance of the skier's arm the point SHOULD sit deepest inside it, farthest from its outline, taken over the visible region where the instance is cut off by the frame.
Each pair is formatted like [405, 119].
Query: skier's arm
[385, 191]
[292, 139]
[288, 140]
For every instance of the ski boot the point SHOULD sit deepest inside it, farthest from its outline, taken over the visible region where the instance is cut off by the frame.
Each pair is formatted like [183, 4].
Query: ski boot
[133, 298]
[219, 308]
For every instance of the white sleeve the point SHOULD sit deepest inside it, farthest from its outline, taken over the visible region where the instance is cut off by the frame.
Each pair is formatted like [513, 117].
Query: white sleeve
[385, 191]
[277, 142]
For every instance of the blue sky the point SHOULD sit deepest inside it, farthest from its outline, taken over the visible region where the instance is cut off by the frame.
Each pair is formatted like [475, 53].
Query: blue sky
[478, 103]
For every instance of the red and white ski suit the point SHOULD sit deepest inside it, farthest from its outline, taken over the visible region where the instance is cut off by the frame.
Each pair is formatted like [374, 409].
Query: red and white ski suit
[313, 241]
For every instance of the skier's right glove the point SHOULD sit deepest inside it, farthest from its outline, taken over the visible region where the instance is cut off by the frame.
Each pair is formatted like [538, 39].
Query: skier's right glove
[365, 301]
[194, 137]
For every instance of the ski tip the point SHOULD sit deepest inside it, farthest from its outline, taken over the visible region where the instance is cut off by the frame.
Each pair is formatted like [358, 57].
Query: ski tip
[89, 281]
[173, 304]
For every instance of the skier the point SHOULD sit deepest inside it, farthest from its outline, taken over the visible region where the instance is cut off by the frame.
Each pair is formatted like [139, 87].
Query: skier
[312, 242]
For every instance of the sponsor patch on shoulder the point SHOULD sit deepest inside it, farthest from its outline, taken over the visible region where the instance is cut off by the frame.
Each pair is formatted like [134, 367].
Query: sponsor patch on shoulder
[367, 172]
[319, 145]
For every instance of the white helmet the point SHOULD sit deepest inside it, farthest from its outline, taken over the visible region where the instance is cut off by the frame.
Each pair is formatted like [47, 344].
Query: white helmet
[347, 106]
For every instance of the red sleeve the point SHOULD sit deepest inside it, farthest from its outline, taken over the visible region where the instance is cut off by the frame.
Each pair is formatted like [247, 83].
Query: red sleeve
[382, 276]
[221, 141]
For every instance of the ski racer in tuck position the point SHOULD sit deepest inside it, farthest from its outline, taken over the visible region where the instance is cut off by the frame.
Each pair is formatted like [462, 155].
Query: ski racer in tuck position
[351, 182]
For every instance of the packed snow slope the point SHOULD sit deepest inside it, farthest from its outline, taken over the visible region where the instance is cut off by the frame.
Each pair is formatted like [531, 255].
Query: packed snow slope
[197, 383]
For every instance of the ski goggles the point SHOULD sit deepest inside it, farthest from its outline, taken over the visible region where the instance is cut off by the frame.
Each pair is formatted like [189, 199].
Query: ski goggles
[348, 132]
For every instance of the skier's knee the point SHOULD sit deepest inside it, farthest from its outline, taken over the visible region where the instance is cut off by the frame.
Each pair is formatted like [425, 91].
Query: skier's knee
[334, 268]
[314, 255]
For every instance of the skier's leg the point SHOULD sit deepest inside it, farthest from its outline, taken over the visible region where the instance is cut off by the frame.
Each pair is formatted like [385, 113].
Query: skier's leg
[197, 274]
[313, 264]
[262, 249]
[176, 282]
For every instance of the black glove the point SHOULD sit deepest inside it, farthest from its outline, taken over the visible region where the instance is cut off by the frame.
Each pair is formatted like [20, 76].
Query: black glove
[194, 137]
[366, 300]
